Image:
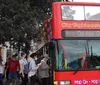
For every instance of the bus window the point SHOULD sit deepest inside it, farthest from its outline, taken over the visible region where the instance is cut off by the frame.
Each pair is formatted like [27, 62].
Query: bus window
[77, 12]
[92, 15]
[73, 54]
[72, 12]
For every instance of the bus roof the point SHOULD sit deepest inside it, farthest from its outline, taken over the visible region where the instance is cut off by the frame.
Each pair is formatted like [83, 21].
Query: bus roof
[78, 3]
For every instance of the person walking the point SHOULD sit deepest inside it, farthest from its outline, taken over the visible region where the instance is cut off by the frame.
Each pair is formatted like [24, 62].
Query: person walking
[43, 71]
[13, 66]
[2, 69]
[33, 69]
[23, 69]
[7, 69]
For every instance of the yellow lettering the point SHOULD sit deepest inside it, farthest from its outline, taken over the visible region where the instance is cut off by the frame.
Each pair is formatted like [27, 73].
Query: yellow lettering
[80, 25]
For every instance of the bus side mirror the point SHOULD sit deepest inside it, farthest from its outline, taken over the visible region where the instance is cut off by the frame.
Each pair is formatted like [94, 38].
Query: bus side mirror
[51, 45]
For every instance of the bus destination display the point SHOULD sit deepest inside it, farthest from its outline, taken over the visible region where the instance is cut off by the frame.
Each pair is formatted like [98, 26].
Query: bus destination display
[80, 33]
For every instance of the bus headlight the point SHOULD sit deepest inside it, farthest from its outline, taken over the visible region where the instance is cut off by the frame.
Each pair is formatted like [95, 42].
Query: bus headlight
[65, 83]
[55, 82]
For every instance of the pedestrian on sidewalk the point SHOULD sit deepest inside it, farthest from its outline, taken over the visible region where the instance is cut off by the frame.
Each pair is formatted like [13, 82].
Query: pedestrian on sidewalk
[43, 71]
[7, 69]
[13, 66]
[23, 69]
[33, 69]
[2, 67]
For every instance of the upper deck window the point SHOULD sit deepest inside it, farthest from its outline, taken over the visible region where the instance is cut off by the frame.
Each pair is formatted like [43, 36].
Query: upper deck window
[92, 12]
[77, 12]
[71, 12]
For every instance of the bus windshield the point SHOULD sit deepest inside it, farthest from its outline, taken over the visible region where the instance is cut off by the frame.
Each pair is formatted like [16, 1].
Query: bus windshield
[74, 54]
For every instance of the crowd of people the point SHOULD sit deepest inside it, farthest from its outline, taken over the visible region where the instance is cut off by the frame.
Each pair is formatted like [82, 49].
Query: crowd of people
[29, 69]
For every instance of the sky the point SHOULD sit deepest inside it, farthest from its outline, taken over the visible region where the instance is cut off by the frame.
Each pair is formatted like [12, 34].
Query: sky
[97, 1]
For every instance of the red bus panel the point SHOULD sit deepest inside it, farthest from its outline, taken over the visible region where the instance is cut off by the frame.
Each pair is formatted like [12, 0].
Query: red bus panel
[80, 78]
[59, 24]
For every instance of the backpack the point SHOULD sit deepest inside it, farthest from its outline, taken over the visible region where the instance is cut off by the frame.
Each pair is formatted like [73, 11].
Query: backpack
[28, 65]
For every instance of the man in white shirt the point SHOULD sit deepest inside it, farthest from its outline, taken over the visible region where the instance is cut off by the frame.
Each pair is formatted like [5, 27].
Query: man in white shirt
[33, 68]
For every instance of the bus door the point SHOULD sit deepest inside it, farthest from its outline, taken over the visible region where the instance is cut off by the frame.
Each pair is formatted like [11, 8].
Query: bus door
[52, 60]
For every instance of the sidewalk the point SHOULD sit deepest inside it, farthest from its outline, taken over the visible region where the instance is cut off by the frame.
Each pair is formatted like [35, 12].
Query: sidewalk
[7, 82]
[18, 82]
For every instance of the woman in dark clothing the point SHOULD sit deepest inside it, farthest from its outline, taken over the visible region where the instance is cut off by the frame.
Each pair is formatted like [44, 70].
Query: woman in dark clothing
[7, 69]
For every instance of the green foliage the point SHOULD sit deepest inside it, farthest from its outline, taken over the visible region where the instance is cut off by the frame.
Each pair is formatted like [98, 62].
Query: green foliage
[19, 22]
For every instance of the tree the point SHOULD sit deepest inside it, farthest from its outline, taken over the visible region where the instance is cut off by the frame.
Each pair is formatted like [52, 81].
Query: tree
[18, 21]
[43, 5]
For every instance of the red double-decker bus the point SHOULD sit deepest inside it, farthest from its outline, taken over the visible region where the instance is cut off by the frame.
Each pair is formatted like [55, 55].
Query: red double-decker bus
[74, 44]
